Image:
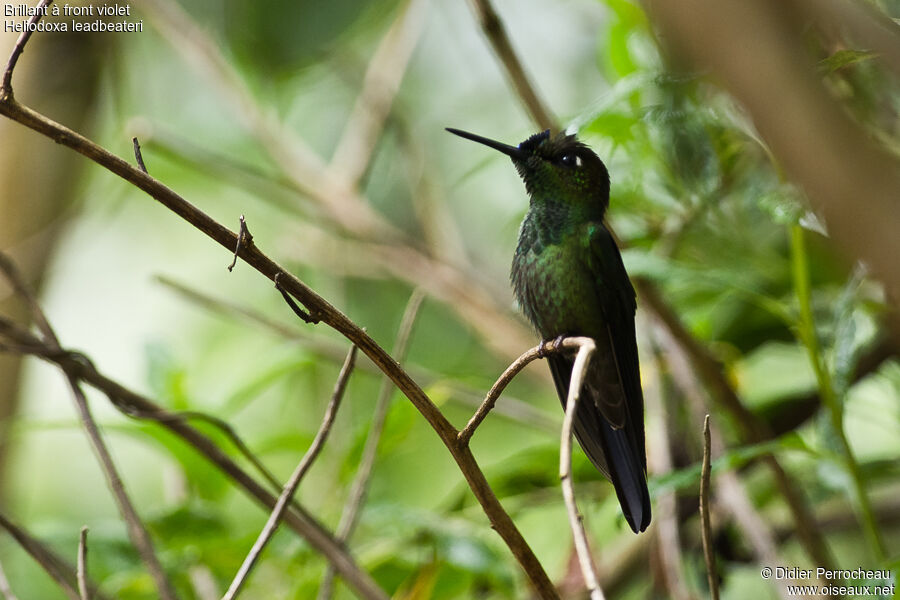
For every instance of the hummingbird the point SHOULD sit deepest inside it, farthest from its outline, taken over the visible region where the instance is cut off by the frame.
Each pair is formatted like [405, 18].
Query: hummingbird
[569, 280]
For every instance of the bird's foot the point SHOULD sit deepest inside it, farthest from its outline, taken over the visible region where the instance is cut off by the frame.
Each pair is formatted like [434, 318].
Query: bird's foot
[550, 346]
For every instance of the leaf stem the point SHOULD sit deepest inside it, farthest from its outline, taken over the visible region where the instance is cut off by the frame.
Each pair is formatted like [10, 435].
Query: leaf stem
[807, 333]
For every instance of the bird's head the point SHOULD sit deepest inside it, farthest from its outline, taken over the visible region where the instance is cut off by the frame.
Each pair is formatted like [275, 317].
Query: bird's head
[557, 168]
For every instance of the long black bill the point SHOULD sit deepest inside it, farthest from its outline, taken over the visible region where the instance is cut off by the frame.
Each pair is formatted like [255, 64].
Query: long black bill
[511, 151]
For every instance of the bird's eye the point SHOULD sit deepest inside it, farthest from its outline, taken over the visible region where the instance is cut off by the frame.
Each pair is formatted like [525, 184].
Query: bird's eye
[570, 160]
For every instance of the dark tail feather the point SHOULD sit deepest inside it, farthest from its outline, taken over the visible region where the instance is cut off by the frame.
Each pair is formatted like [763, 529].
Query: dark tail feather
[615, 452]
[627, 475]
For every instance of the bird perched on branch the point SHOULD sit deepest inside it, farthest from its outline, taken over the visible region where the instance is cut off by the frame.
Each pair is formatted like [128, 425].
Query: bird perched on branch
[569, 280]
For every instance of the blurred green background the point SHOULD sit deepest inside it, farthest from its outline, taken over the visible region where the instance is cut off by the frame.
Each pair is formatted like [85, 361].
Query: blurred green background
[696, 199]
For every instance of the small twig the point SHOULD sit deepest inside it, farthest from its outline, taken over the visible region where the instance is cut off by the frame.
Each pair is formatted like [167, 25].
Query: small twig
[382, 81]
[59, 569]
[244, 238]
[306, 317]
[298, 519]
[138, 157]
[296, 477]
[136, 530]
[539, 351]
[496, 33]
[138, 534]
[576, 522]
[5, 589]
[81, 565]
[712, 575]
[356, 498]
[6, 86]
[500, 520]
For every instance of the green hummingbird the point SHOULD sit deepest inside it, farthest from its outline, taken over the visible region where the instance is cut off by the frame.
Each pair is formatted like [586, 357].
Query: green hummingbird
[569, 280]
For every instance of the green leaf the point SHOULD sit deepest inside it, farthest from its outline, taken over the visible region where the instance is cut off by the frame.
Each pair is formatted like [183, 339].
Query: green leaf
[843, 58]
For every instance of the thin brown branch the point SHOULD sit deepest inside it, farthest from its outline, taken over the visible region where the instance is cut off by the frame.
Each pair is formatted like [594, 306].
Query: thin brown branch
[712, 575]
[380, 85]
[298, 519]
[81, 565]
[496, 34]
[499, 518]
[296, 477]
[60, 570]
[512, 408]
[6, 85]
[5, 589]
[135, 527]
[539, 351]
[342, 204]
[359, 487]
[136, 530]
[691, 361]
[297, 160]
[731, 493]
[576, 521]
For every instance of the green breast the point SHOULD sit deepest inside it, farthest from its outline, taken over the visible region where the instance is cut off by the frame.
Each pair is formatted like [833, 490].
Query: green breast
[554, 285]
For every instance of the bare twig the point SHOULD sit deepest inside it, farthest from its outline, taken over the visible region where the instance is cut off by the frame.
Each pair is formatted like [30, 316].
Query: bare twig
[136, 530]
[296, 477]
[579, 369]
[539, 351]
[500, 519]
[350, 514]
[342, 204]
[712, 576]
[298, 519]
[690, 362]
[6, 86]
[138, 156]
[382, 81]
[60, 570]
[512, 408]
[496, 33]
[243, 237]
[5, 590]
[296, 159]
[81, 565]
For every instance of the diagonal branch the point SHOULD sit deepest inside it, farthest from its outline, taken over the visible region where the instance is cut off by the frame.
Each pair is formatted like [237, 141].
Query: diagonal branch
[135, 527]
[499, 518]
[496, 34]
[298, 519]
[296, 477]
[59, 569]
[380, 84]
[359, 487]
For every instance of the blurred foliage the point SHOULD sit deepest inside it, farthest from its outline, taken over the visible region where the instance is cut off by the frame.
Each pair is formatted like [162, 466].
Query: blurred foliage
[696, 199]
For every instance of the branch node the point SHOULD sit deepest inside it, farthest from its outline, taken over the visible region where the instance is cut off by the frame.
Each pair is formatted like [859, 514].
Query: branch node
[243, 238]
[138, 156]
[310, 317]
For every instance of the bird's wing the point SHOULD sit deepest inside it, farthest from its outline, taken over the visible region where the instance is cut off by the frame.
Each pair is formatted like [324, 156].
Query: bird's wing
[609, 423]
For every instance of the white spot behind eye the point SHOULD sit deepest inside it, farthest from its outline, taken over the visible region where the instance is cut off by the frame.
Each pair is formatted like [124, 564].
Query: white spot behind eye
[578, 161]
